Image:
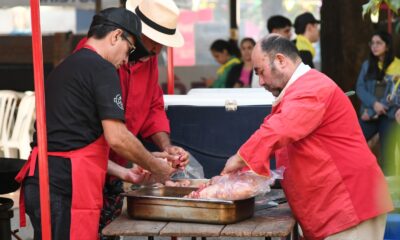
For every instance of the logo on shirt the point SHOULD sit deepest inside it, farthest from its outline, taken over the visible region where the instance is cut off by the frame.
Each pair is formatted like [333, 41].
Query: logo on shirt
[118, 101]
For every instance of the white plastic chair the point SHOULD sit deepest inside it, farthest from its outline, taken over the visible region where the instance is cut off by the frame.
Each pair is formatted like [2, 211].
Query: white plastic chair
[8, 103]
[21, 134]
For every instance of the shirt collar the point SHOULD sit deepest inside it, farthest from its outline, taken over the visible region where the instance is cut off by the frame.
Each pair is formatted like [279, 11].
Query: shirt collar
[300, 71]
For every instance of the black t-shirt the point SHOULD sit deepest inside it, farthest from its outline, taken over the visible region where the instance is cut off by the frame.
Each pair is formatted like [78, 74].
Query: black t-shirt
[83, 90]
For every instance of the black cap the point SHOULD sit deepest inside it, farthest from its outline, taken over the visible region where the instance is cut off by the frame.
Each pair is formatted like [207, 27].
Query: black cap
[302, 20]
[127, 21]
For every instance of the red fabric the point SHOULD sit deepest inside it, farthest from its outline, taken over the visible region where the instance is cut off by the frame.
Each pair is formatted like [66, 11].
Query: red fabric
[89, 167]
[142, 98]
[332, 180]
[81, 44]
[143, 101]
[28, 166]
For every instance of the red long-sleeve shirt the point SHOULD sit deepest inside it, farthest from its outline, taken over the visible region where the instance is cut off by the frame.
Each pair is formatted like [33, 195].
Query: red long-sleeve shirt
[143, 101]
[332, 180]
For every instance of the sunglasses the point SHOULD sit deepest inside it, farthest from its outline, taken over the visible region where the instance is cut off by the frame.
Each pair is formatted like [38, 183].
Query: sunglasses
[132, 47]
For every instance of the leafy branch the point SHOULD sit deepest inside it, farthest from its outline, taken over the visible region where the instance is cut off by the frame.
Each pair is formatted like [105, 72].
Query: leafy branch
[373, 6]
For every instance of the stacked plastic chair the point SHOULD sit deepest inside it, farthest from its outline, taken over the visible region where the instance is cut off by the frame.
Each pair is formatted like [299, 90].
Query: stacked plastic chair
[17, 145]
[8, 103]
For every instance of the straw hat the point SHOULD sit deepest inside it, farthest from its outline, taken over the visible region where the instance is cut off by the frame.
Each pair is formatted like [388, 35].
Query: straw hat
[159, 20]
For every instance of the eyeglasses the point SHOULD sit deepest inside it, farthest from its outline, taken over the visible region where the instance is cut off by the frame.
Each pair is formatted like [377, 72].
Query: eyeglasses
[375, 43]
[132, 47]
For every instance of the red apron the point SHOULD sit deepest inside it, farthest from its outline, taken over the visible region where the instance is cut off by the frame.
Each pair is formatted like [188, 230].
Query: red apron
[89, 167]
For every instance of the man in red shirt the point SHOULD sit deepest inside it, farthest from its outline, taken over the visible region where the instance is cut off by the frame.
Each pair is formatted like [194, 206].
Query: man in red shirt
[142, 97]
[332, 181]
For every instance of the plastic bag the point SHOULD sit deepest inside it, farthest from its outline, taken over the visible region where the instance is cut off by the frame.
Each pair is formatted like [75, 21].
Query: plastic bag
[236, 186]
[193, 170]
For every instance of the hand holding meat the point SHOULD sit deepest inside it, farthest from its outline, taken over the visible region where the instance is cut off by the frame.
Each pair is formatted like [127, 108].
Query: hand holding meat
[163, 169]
[146, 178]
[176, 157]
[181, 156]
[168, 163]
[136, 175]
[234, 163]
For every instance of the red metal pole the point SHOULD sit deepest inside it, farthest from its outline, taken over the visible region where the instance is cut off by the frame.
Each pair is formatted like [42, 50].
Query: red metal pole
[170, 70]
[40, 120]
[384, 6]
[389, 13]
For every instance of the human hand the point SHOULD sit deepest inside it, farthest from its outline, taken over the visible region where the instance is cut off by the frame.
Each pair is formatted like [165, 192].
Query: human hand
[136, 175]
[163, 169]
[181, 156]
[234, 164]
[397, 116]
[380, 108]
[365, 116]
[172, 159]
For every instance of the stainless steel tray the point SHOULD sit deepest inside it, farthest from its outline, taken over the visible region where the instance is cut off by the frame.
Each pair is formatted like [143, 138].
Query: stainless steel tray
[195, 183]
[168, 204]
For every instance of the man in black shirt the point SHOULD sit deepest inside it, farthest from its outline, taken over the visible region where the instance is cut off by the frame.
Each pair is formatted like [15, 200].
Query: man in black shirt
[85, 117]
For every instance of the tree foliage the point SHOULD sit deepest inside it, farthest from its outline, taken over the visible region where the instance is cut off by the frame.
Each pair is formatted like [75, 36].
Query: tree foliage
[373, 6]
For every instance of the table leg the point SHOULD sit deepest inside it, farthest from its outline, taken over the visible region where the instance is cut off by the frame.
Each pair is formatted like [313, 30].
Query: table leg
[174, 238]
[295, 233]
[150, 238]
[267, 238]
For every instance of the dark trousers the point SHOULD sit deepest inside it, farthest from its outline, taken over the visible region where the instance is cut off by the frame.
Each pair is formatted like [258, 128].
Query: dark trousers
[60, 207]
[383, 125]
[112, 204]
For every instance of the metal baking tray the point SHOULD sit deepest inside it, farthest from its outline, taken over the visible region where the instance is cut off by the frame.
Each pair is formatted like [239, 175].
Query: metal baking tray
[168, 204]
[195, 183]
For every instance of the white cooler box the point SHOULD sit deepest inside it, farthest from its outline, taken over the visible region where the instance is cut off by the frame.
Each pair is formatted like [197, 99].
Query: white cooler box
[213, 124]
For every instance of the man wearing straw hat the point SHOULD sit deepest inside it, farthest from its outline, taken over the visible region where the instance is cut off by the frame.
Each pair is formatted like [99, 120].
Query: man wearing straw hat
[142, 96]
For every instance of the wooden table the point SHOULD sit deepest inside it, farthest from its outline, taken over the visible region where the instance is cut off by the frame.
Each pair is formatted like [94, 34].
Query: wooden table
[272, 222]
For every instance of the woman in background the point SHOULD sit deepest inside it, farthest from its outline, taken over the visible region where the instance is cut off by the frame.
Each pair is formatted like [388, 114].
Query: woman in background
[241, 74]
[376, 72]
[222, 52]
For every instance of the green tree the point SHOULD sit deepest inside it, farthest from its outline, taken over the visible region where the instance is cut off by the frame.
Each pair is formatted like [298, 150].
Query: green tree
[373, 6]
